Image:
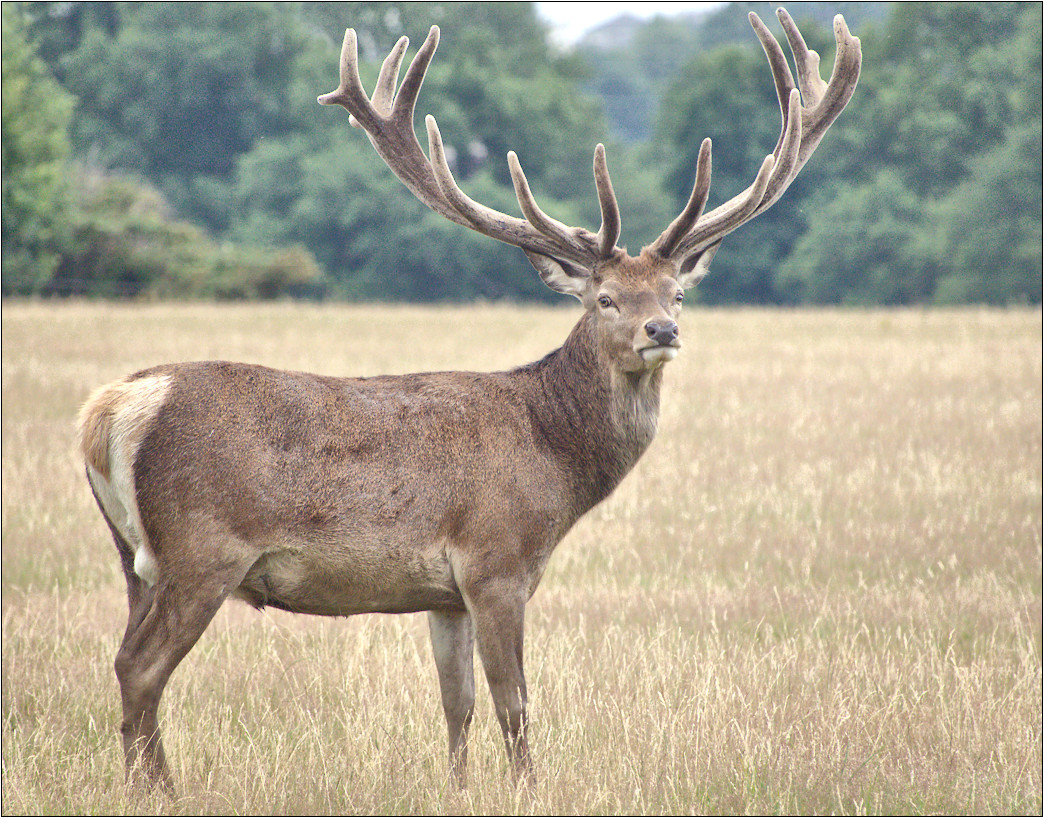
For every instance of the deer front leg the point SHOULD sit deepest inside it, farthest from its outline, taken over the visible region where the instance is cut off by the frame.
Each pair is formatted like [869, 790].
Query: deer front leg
[498, 613]
[452, 642]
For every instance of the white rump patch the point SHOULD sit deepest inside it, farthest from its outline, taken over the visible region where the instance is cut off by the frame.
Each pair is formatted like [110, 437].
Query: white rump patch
[131, 418]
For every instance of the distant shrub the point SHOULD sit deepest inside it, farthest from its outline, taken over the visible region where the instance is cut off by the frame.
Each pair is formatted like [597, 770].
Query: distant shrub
[124, 243]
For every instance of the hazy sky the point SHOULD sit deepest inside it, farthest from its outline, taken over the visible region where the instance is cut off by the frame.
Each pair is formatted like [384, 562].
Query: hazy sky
[571, 20]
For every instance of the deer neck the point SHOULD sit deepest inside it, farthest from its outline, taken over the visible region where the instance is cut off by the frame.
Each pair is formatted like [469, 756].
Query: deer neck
[597, 419]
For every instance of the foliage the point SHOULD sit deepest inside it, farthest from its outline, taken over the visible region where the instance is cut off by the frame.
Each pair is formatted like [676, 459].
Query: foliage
[178, 92]
[852, 251]
[950, 209]
[728, 24]
[728, 95]
[70, 229]
[990, 226]
[401, 251]
[35, 147]
[926, 190]
[215, 105]
[123, 242]
[632, 78]
[492, 91]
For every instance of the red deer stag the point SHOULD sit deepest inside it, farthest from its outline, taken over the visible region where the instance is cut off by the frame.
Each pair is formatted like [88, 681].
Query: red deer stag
[443, 492]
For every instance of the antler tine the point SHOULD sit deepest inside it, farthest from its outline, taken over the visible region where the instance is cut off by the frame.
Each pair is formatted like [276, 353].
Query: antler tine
[807, 107]
[552, 228]
[384, 92]
[805, 60]
[781, 76]
[609, 232]
[843, 77]
[668, 241]
[787, 151]
[605, 242]
[474, 212]
[776, 173]
[822, 102]
[723, 220]
[406, 98]
[350, 93]
[389, 124]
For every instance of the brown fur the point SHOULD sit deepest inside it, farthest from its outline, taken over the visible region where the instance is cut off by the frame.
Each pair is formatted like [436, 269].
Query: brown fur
[439, 492]
[443, 492]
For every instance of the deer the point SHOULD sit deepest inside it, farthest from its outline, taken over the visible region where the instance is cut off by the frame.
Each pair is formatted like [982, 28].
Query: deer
[440, 492]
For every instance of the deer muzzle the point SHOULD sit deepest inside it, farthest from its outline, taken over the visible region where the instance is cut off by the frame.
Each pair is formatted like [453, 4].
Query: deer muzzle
[664, 346]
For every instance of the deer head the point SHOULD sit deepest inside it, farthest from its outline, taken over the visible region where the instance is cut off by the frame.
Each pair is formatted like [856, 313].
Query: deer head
[632, 302]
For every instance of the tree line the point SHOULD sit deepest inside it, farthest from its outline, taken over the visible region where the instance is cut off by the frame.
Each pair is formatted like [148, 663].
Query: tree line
[176, 150]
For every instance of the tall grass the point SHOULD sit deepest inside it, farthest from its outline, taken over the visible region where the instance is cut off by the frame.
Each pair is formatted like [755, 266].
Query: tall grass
[820, 590]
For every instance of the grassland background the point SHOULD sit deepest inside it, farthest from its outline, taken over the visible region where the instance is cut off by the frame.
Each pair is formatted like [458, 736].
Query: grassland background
[820, 590]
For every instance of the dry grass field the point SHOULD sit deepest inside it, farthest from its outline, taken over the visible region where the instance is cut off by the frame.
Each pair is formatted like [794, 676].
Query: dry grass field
[819, 592]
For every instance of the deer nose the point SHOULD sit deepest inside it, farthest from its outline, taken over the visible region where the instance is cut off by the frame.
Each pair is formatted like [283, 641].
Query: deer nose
[664, 333]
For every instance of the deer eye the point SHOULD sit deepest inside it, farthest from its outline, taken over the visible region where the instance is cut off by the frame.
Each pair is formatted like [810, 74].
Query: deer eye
[605, 302]
[679, 297]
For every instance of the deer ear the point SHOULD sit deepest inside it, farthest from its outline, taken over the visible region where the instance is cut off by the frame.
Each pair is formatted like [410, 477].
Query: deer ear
[693, 269]
[561, 276]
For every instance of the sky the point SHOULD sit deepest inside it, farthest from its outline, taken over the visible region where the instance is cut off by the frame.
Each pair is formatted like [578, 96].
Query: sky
[570, 21]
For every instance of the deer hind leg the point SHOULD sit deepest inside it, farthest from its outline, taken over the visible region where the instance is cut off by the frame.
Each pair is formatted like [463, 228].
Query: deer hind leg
[452, 642]
[499, 619]
[136, 586]
[161, 629]
[139, 592]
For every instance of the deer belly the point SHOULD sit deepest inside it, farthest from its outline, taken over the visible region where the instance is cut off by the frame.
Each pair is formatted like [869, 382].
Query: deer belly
[344, 581]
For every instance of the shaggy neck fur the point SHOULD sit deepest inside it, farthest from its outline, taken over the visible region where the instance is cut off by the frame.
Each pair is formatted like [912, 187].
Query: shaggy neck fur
[597, 419]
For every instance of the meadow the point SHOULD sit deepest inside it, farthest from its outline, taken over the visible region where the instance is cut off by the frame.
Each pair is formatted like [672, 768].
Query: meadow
[819, 592]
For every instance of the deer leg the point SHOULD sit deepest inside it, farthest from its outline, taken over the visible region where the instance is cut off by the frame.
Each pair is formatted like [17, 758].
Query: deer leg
[167, 621]
[452, 642]
[498, 622]
[136, 587]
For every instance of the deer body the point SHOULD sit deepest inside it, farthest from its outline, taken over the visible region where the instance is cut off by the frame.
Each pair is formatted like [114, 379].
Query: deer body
[338, 510]
[441, 492]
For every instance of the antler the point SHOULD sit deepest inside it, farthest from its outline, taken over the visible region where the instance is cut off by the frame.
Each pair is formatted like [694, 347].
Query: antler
[804, 124]
[387, 119]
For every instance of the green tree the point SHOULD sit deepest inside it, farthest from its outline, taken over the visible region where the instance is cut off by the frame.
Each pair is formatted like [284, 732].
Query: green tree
[72, 230]
[858, 249]
[937, 189]
[177, 91]
[372, 236]
[926, 190]
[122, 241]
[990, 227]
[942, 82]
[727, 25]
[35, 148]
[635, 62]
